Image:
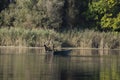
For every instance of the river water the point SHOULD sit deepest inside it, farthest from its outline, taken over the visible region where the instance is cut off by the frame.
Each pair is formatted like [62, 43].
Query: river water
[81, 64]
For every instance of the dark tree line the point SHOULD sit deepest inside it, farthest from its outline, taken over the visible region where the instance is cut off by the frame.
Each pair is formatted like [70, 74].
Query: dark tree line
[61, 14]
[5, 3]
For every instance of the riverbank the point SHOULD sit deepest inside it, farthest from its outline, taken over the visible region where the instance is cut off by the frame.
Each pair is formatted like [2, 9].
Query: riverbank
[72, 38]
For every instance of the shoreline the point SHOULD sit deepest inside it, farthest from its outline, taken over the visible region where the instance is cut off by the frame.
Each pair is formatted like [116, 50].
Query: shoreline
[73, 48]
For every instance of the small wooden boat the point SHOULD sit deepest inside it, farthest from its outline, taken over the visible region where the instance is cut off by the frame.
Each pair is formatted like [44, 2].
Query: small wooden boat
[57, 52]
[62, 52]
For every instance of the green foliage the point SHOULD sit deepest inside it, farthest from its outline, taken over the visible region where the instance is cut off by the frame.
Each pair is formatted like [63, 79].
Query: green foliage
[62, 14]
[107, 21]
[8, 16]
[26, 13]
[111, 23]
[104, 13]
[116, 25]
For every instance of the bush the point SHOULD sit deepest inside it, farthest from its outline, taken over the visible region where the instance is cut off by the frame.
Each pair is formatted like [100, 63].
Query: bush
[105, 14]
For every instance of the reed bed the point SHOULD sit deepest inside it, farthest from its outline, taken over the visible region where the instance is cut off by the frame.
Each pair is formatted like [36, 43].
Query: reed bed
[93, 39]
[72, 38]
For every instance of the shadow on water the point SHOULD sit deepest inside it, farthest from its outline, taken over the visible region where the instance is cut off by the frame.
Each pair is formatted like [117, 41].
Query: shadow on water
[34, 64]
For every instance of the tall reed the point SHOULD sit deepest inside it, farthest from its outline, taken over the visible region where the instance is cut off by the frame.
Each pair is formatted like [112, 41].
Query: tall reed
[91, 39]
[72, 38]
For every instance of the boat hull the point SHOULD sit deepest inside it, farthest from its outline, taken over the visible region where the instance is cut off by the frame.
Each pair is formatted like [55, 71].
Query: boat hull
[62, 52]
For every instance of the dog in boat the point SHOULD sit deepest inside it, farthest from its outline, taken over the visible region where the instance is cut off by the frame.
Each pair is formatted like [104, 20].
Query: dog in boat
[48, 48]
[56, 52]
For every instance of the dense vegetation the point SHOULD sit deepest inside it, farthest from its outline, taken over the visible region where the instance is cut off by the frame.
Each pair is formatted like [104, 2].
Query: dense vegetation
[61, 14]
[73, 38]
[31, 22]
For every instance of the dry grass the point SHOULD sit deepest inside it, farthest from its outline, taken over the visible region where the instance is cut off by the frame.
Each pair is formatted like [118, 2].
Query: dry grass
[92, 39]
[73, 38]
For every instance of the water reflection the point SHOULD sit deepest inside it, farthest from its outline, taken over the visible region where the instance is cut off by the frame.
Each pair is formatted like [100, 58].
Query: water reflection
[49, 58]
[34, 64]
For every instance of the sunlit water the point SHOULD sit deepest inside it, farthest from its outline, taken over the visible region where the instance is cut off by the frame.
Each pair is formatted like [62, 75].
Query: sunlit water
[34, 64]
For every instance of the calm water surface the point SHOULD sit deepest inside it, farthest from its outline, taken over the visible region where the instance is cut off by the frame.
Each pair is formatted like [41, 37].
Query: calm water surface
[34, 64]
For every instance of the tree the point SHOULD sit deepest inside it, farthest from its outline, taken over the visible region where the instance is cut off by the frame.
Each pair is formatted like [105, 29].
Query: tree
[55, 13]
[103, 12]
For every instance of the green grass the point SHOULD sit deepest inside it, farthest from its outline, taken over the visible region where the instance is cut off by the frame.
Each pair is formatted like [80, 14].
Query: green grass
[72, 38]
